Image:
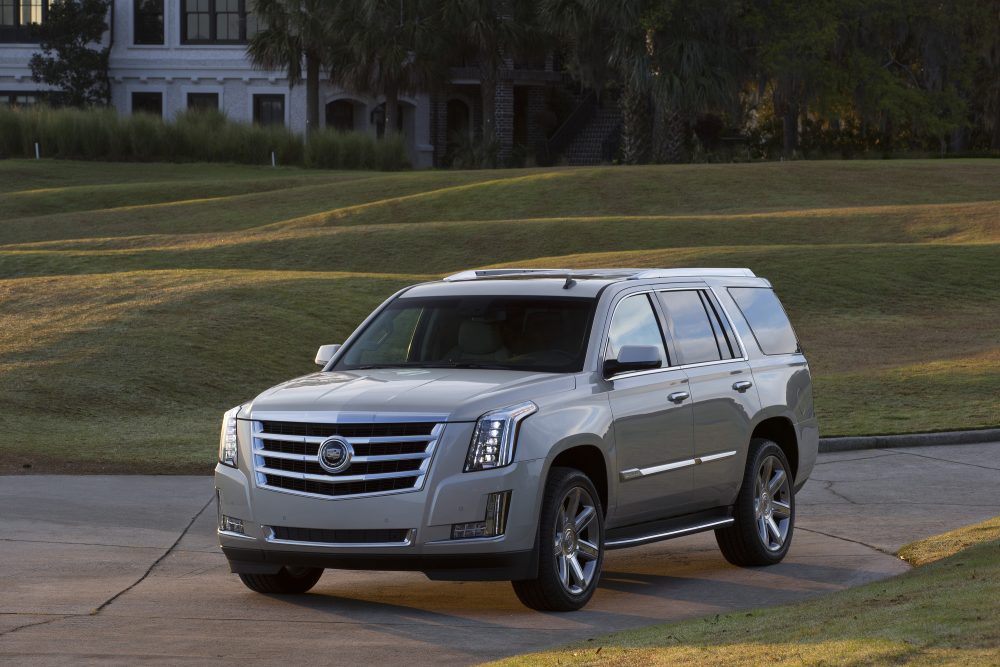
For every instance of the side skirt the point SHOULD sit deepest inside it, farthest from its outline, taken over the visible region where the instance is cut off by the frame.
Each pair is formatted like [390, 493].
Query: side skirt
[666, 529]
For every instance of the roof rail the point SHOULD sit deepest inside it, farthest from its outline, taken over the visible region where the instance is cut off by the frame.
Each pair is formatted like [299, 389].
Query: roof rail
[608, 274]
[692, 273]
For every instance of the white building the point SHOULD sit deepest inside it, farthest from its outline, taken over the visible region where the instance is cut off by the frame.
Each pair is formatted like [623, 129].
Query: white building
[170, 55]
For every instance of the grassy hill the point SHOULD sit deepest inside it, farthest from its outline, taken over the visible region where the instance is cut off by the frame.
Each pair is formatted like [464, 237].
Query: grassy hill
[137, 302]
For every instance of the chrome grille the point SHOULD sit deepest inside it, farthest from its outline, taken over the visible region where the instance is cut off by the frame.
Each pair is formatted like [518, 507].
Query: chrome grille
[388, 457]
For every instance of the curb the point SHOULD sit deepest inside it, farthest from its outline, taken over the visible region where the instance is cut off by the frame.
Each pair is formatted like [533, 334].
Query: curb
[909, 440]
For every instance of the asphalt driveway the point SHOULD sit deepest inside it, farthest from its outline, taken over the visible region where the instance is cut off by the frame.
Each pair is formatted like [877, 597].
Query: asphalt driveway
[125, 570]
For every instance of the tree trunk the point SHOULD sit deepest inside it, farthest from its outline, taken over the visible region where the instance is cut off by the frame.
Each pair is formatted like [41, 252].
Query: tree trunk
[391, 110]
[312, 93]
[635, 130]
[790, 130]
[669, 134]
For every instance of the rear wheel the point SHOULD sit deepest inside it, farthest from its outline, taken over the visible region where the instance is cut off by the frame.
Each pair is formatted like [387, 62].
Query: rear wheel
[570, 545]
[765, 509]
[288, 581]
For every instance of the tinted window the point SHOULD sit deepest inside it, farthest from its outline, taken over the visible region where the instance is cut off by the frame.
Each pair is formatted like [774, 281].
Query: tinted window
[635, 323]
[503, 332]
[767, 319]
[690, 327]
[728, 347]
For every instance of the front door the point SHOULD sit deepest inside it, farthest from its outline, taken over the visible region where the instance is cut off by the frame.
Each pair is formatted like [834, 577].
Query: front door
[652, 422]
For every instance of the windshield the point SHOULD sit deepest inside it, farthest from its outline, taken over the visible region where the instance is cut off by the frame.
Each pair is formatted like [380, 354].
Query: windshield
[504, 332]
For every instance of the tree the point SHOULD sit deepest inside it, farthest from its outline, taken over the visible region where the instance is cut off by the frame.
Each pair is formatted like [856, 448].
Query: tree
[295, 31]
[487, 32]
[389, 49]
[69, 60]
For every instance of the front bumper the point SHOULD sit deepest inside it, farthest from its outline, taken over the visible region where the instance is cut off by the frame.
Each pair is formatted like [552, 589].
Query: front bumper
[448, 496]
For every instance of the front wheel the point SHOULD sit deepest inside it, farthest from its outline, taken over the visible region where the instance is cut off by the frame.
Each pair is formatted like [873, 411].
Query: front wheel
[288, 580]
[765, 509]
[570, 545]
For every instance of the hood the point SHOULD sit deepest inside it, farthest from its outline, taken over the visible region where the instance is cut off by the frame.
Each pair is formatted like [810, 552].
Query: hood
[450, 394]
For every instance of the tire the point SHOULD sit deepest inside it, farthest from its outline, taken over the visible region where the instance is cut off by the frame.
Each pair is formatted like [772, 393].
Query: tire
[288, 581]
[764, 521]
[569, 557]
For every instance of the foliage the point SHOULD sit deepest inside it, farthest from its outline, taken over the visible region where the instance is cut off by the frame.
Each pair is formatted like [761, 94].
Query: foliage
[193, 136]
[72, 58]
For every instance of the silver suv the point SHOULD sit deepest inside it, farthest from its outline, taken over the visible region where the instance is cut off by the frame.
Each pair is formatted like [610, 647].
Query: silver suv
[514, 424]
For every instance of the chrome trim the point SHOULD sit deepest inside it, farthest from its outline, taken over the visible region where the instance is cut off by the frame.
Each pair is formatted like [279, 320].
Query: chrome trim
[260, 470]
[229, 533]
[271, 539]
[620, 274]
[468, 540]
[636, 473]
[319, 439]
[333, 417]
[632, 541]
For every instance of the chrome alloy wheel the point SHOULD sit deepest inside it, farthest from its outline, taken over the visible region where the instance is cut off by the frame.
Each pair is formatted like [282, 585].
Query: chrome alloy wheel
[772, 503]
[576, 537]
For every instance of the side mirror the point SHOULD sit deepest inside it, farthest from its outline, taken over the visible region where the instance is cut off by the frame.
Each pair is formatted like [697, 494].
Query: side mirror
[325, 354]
[633, 358]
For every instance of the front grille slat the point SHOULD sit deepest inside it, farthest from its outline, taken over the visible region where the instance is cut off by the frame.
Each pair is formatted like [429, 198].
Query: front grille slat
[388, 457]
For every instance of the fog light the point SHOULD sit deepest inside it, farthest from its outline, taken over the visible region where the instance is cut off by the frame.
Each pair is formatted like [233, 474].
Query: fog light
[495, 523]
[228, 524]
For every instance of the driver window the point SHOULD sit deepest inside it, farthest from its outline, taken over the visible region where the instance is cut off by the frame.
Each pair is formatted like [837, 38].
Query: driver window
[634, 323]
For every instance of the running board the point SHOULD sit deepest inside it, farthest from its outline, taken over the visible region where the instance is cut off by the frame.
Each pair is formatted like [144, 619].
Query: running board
[633, 536]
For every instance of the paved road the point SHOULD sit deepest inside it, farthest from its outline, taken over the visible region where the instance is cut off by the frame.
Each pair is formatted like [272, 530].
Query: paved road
[125, 570]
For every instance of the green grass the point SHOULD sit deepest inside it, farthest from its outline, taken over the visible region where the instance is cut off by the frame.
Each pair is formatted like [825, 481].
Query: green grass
[942, 613]
[137, 302]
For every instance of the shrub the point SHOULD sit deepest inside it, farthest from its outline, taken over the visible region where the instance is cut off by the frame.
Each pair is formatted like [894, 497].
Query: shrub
[193, 136]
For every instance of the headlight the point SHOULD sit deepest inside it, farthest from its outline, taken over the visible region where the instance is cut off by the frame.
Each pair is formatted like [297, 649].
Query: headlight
[495, 436]
[227, 439]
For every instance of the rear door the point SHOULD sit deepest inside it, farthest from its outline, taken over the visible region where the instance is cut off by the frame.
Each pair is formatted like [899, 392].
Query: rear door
[723, 397]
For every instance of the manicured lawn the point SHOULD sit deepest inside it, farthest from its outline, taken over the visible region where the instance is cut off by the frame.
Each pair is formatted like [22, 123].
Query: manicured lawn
[139, 301]
[942, 613]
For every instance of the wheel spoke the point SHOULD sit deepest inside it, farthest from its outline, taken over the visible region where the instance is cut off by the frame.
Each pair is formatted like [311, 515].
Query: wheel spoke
[775, 484]
[574, 565]
[587, 549]
[563, 570]
[762, 530]
[558, 544]
[584, 518]
[781, 510]
[772, 528]
[573, 502]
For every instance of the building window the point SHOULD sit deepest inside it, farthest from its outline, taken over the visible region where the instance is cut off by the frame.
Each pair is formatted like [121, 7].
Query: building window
[269, 109]
[203, 101]
[151, 103]
[217, 22]
[17, 18]
[148, 21]
[16, 99]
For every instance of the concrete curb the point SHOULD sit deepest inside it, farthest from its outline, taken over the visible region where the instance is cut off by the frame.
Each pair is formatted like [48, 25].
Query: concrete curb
[909, 440]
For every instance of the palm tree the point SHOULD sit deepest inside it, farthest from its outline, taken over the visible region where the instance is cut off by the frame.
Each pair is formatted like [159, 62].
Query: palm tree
[388, 50]
[294, 31]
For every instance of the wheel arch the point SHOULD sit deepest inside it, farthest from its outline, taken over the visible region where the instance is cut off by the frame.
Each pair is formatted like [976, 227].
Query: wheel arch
[589, 459]
[781, 430]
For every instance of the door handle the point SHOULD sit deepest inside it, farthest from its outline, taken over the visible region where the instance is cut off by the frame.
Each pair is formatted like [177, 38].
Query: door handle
[678, 397]
[742, 385]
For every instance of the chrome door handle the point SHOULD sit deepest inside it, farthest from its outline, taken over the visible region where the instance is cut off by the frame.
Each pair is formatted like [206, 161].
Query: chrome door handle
[742, 385]
[678, 397]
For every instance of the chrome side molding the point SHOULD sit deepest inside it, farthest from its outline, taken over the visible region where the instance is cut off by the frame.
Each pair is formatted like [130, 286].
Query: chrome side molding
[636, 473]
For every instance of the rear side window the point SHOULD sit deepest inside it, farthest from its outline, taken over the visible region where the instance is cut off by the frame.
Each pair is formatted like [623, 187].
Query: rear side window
[767, 319]
[696, 334]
